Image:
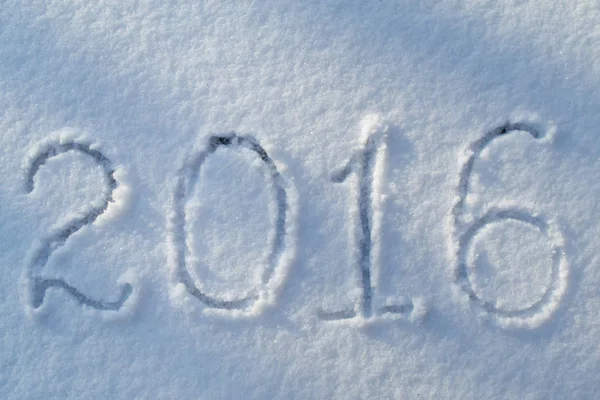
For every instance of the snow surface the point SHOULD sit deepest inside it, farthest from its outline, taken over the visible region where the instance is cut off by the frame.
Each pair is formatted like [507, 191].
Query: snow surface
[307, 200]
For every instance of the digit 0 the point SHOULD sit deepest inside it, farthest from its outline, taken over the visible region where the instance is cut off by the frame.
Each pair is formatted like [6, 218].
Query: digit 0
[188, 178]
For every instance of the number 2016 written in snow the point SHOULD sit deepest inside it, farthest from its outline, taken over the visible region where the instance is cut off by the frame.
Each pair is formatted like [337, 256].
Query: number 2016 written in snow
[363, 165]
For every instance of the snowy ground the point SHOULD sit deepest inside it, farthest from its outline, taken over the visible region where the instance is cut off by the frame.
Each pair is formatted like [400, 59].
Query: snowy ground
[311, 200]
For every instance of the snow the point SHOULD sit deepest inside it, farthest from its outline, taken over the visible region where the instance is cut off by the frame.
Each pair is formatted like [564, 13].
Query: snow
[278, 199]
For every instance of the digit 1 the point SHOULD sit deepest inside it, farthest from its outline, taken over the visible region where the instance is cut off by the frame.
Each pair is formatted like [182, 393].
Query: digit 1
[364, 164]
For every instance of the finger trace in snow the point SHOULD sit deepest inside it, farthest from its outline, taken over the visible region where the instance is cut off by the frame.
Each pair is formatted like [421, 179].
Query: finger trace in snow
[467, 228]
[36, 282]
[281, 241]
[368, 164]
[151, 79]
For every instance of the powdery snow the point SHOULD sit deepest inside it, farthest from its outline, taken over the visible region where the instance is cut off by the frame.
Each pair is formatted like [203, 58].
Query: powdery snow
[308, 200]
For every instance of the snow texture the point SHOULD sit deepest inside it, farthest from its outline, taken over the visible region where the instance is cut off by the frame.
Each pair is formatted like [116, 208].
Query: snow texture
[299, 200]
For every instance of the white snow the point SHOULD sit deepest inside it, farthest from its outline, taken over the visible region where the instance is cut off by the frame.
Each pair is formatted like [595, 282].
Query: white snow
[307, 200]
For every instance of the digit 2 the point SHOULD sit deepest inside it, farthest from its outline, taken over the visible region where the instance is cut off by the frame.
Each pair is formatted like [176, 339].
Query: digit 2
[38, 284]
